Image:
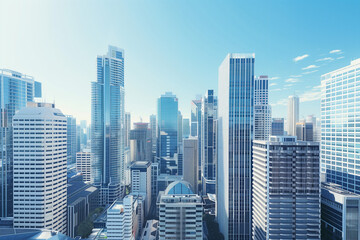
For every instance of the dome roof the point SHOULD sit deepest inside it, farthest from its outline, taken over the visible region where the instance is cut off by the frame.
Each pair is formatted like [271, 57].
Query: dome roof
[179, 187]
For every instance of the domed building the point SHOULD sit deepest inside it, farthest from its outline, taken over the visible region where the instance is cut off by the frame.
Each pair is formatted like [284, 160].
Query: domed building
[180, 213]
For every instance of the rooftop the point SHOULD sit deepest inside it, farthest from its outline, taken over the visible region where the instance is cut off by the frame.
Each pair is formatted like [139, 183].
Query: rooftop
[179, 188]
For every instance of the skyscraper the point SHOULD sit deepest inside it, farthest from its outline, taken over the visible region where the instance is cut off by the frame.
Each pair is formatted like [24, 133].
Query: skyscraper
[40, 167]
[127, 129]
[140, 142]
[208, 142]
[153, 136]
[141, 181]
[293, 114]
[262, 109]
[71, 139]
[180, 130]
[167, 126]
[186, 127]
[107, 121]
[235, 135]
[277, 127]
[191, 162]
[16, 90]
[196, 126]
[304, 131]
[340, 126]
[286, 189]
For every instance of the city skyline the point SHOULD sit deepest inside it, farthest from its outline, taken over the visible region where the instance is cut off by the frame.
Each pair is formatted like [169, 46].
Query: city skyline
[69, 53]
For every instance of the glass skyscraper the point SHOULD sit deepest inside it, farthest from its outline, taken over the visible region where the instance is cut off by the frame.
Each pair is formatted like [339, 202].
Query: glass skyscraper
[107, 125]
[208, 142]
[293, 114]
[16, 90]
[235, 135]
[340, 126]
[262, 109]
[71, 139]
[167, 115]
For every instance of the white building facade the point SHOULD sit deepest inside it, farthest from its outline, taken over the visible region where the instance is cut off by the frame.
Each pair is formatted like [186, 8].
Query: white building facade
[40, 160]
[83, 164]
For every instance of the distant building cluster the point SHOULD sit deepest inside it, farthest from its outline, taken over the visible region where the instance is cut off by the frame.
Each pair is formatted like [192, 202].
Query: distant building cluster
[229, 169]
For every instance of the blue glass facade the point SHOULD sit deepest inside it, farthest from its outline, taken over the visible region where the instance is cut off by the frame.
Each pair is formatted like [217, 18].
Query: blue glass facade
[107, 128]
[340, 126]
[208, 142]
[235, 135]
[167, 127]
[71, 139]
[16, 90]
[277, 127]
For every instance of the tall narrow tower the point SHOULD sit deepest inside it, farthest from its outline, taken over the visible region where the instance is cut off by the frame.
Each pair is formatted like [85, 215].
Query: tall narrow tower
[235, 135]
[293, 114]
[107, 125]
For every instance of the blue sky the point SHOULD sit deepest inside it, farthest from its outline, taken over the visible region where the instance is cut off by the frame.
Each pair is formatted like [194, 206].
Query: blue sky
[177, 46]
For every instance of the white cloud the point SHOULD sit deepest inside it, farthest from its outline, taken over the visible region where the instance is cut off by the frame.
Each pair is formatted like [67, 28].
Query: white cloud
[272, 84]
[325, 59]
[273, 78]
[340, 57]
[291, 80]
[295, 76]
[299, 58]
[338, 51]
[310, 67]
[289, 85]
[311, 95]
[308, 72]
[281, 102]
[276, 89]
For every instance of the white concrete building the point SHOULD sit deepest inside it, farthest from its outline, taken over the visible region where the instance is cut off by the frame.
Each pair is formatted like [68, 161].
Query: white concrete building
[141, 181]
[40, 159]
[83, 164]
[293, 114]
[180, 213]
[191, 167]
[120, 219]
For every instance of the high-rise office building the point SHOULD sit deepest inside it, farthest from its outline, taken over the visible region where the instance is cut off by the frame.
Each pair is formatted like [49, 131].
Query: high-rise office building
[167, 117]
[140, 142]
[180, 213]
[40, 167]
[277, 127]
[191, 162]
[180, 130]
[293, 114]
[340, 126]
[208, 139]
[262, 109]
[235, 135]
[127, 129]
[286, 189]
[196, 128]
[71, 139]
[83, 164]
[304, 131]
[153, 136]
[16, 90]
[141, 181]
[186, 127]
[107, 121]
[339, 213]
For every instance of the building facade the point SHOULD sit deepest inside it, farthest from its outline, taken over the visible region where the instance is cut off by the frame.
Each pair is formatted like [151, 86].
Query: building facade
[40, 167]
[107, 121]
[180, 213]
[286, 189]
[191, 162]
[83, 164]
[339, 213]
[141, 142]
[141, 182]
[235, 135]
[16, 89]
[153, 127]
[293, 114]
[167, 127]
[277, 127]
[340, 126]
[262, 109]
[209, 142]
[71, 139]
